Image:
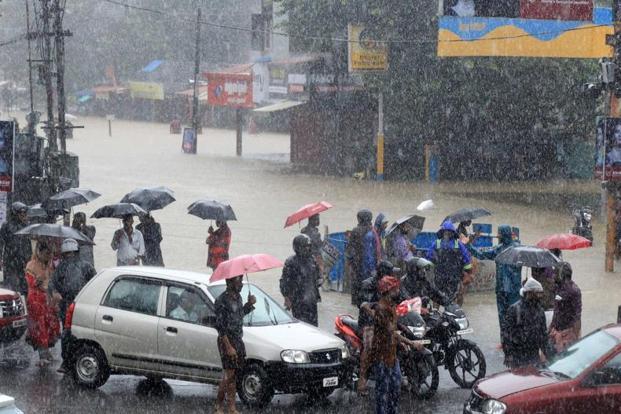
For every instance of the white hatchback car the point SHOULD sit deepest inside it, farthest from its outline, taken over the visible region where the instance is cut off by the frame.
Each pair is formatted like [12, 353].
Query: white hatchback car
[158, 323]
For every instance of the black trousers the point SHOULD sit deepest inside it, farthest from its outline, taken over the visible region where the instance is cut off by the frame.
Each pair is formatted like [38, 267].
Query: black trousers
[306, 313]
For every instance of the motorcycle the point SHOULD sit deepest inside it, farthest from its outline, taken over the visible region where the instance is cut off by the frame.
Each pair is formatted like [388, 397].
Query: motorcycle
[461, 357]
[418, 367]
[583, 226]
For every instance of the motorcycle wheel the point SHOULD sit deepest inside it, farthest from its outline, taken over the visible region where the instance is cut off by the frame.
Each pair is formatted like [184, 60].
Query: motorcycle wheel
[423, 376]
[466, 363]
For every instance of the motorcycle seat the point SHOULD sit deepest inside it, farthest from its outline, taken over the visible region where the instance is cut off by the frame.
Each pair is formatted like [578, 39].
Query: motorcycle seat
[350, 322]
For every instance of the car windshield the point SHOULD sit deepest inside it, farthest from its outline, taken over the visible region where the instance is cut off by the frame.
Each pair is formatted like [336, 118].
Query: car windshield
[583, 354]
[266, 310]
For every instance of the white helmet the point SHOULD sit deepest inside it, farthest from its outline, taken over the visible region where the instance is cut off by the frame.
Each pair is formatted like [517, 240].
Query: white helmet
[69, 245]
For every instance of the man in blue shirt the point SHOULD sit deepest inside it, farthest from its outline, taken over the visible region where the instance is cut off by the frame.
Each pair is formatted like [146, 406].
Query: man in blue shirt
[452, 261]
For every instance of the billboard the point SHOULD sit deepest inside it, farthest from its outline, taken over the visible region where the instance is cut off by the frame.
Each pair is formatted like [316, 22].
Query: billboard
[7, 145]
[608, 149]
[524, 28]
[230, 89]
[364, 53]
[146, 90]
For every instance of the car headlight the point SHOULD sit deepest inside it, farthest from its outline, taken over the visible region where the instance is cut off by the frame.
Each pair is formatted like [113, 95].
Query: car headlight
[295, 357]
[344, 352]
[463, 323]
[493, 407]
[417, 331]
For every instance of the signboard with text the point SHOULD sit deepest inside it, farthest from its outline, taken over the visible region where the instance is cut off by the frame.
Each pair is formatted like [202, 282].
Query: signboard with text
[608, 149]
[365, 53]
[230, 89]
[146, 90]
[7, 140]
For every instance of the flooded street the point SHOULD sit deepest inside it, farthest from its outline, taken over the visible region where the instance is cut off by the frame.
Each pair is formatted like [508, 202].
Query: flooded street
[262, 193]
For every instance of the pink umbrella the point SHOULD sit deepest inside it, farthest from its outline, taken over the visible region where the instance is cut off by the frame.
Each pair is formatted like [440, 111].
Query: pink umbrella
[307, 211]
[564, 242]
[242, 265]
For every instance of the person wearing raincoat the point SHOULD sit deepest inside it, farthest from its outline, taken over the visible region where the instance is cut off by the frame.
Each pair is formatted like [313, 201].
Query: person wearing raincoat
[379, 230]
[452, 261]
[508, 277]
[219, 242]
[16, 250]
[361, 254]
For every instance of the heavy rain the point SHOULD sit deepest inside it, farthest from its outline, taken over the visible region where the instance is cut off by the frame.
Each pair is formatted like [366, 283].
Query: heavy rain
[421, 199]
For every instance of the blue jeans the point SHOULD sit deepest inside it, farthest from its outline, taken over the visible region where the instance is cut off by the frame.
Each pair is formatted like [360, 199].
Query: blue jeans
[387, 388]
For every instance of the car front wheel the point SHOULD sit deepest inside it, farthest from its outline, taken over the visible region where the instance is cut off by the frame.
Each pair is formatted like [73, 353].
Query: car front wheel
[90, 368]
[254, 387]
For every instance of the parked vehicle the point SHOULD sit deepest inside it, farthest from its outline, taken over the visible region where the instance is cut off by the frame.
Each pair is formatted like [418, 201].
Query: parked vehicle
[12, 317]
[583, 226]
[586, 378]
[122, 323]
[461, 357]
[7, 405]
[418, 367]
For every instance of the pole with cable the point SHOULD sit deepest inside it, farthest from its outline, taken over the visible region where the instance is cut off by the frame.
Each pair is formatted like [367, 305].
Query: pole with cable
[197, 64]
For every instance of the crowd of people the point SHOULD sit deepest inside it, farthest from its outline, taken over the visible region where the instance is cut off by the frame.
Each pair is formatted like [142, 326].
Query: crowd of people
[383, 270]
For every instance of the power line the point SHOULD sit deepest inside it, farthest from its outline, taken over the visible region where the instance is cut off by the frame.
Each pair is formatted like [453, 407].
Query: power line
[343, 40]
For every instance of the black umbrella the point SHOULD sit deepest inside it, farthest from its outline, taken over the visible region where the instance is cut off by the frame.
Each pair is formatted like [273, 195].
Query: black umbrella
[529, 256]
[466, 214]
[211, 210]
[37, 211]
[150, 198]
[119, 210]
[415, 221]
[69, 198]
[55, 230]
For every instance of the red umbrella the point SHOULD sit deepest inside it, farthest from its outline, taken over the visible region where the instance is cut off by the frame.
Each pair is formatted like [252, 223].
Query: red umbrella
[307, 211]
[242, 265]
[564, 242]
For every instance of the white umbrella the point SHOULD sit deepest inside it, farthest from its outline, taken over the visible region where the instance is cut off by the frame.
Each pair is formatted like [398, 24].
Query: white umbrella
[425, 205]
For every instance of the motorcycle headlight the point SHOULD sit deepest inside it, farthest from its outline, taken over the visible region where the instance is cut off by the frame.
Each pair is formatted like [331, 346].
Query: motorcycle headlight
[292, 356]
[344, 352]
[463, 323]
[417, 331]
[494, 407]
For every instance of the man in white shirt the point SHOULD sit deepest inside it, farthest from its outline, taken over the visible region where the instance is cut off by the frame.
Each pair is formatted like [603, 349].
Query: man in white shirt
[185, 310]
[128, 243]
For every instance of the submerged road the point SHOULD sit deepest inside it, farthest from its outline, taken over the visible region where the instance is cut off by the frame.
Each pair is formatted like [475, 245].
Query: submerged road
[142, 154]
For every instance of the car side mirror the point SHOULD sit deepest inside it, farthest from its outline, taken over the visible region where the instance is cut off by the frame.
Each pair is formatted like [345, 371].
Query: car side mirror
[209, 320]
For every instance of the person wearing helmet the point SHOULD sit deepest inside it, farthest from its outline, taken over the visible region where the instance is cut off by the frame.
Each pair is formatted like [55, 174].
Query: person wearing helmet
[361, 254]
[67, 280]
[16, 250]
[452, 261]
[300, 281]
[416, 284]
[365, 319]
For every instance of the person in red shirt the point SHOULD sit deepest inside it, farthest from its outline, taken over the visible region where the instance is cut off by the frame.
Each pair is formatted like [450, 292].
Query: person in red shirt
[219, 241]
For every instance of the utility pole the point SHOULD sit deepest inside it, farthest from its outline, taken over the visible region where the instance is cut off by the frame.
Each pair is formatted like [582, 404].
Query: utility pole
[612, 188]
[379, 174]
[47, 75]
[197, 64]
[60, 73]
[29, 57]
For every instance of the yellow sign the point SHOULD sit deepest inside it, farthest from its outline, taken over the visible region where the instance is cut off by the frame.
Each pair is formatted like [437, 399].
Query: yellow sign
[146, 90]
[365, 53]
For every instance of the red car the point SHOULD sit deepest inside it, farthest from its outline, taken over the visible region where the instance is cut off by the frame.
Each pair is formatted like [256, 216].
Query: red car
[12, 317]
[584, 379]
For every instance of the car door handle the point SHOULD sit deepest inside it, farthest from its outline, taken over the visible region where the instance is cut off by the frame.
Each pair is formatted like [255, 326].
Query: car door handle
[171, 330]
[107, 318]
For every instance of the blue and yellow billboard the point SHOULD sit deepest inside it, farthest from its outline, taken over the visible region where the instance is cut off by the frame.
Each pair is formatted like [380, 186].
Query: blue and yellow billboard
[524, 28]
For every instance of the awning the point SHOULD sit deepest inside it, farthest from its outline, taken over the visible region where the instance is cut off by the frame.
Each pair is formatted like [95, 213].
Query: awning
[279, 106]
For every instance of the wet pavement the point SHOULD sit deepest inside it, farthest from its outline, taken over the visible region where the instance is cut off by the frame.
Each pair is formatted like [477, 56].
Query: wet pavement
[263, 194]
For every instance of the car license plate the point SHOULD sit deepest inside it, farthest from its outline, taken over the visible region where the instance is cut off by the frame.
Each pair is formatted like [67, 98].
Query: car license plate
[465, 331]
[423, 341]
[19, 323]
[331, 382]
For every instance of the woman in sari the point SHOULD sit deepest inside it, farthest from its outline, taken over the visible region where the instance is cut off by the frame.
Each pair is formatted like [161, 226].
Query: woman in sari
[43, 324]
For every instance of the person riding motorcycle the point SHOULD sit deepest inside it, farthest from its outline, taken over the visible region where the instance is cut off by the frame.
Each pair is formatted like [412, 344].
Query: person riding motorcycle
[369, 291]
[416, 284]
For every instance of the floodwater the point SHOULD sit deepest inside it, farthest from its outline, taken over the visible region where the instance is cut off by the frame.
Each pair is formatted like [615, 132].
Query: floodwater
[262, 193]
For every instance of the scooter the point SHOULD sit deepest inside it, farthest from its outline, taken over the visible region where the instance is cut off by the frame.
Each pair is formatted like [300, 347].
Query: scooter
[583, 226]
[418, 367]
[463, 358]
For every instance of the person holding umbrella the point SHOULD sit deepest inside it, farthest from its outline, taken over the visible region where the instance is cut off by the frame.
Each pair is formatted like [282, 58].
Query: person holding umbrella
[86, 250]
[300, 281]
[152, 234]
[230, 312]
[16, 250]
[219, 242]
[128, 243]
[312, 231]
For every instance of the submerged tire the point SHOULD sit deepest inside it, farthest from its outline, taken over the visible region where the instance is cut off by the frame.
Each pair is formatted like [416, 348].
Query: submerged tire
[466, 363]
[90, 367]
[254, 387]
[423, 377]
